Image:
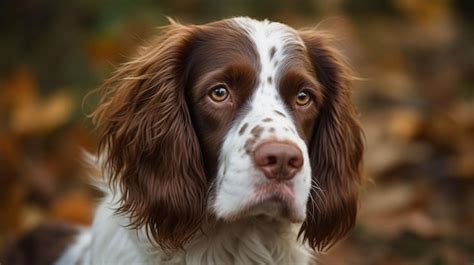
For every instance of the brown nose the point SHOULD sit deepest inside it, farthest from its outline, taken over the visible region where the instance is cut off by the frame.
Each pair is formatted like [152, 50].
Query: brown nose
[277, 160]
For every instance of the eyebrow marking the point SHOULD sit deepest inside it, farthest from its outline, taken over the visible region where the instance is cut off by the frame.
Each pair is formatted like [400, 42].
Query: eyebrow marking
[267, 119]
[242, 129]
[279, 113]
[272, 52]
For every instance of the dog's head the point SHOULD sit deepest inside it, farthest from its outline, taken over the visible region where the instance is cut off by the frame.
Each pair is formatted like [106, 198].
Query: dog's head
[233, 119]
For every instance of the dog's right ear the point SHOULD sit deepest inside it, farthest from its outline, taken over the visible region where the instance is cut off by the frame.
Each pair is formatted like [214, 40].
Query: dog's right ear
[335, 150]
[151, 151]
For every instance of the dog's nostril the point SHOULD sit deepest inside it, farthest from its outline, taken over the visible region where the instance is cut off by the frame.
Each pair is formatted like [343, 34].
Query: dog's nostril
[296, 162]
[271, 160]
[277, 160]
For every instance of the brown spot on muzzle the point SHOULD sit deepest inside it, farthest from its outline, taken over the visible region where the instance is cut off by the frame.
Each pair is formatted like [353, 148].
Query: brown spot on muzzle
[257, 131]
[280, 113]
[242, 129]
[249, 145]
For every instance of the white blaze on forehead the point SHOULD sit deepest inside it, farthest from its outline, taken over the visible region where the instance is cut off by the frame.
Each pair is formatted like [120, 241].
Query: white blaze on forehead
[272, 40]
[274, 43]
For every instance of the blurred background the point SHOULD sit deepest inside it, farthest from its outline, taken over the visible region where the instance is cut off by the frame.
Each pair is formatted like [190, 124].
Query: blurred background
[416, 103]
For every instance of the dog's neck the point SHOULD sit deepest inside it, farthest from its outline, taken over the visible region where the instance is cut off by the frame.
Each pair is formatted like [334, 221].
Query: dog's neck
[257, 240]
[251, 241]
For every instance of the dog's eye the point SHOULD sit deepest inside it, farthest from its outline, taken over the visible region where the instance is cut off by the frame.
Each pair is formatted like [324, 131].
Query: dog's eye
[219, 93]
[303, 98]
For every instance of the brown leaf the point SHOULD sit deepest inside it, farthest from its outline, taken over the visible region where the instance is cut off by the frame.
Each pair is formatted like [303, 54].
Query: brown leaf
[76, 207]
[40, 117]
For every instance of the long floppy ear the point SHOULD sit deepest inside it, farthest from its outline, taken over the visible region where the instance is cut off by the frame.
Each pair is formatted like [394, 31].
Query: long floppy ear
[335, 150]
[152, 154]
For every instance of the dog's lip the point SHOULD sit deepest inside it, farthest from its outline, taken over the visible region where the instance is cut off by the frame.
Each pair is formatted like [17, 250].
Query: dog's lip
[278, 196]
[273, 189]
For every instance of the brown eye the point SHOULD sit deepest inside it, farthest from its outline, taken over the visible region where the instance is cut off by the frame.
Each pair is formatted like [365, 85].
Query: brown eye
[303, 98]
[219, 93]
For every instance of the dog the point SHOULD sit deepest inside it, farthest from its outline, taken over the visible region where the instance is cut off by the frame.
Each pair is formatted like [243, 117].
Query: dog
[233, 142]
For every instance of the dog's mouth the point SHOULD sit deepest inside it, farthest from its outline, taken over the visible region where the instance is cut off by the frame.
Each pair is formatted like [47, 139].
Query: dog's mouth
[280, 191]
[275, 200]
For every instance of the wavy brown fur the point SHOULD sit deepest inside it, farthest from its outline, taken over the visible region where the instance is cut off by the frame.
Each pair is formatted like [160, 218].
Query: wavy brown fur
[151, 149]
[335, 150]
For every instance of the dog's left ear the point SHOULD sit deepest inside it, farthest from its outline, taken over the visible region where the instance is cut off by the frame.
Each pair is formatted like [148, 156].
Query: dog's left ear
[335, 150]
[151, 152]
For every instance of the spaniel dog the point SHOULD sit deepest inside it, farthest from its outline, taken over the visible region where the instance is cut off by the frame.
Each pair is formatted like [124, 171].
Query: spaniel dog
[233, 142]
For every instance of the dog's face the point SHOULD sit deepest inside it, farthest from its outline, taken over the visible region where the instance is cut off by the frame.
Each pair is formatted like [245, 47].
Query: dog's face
[233, 119]
[254, 98]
